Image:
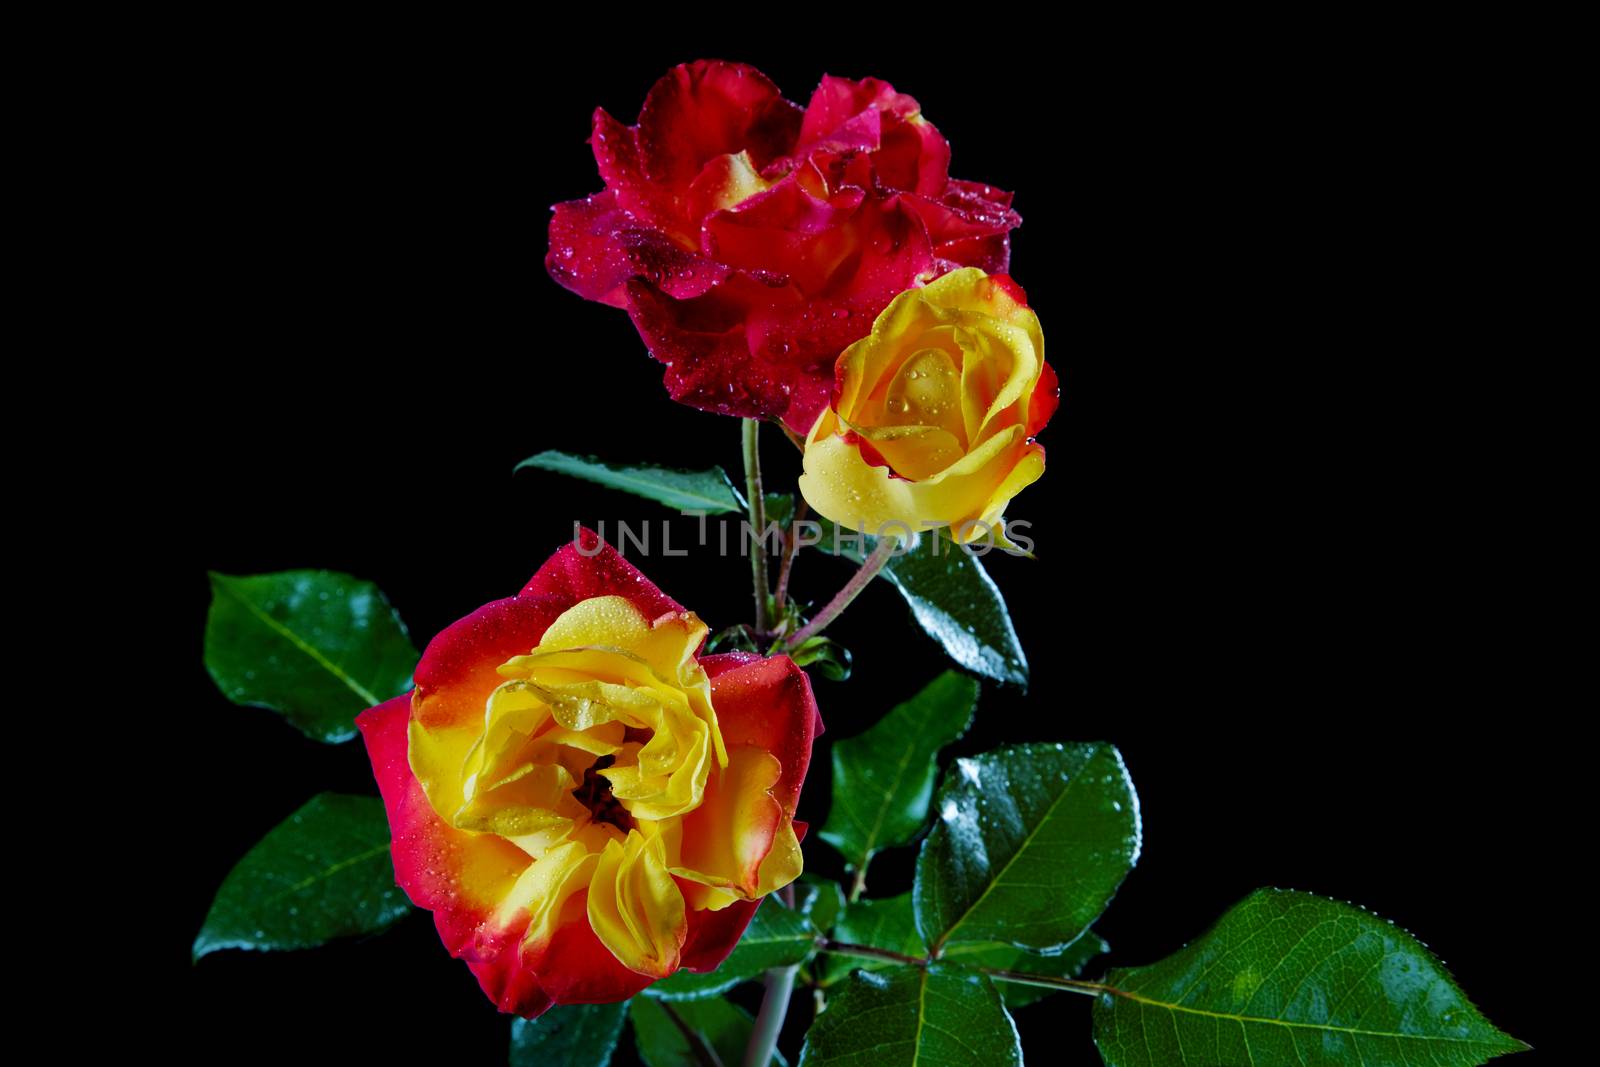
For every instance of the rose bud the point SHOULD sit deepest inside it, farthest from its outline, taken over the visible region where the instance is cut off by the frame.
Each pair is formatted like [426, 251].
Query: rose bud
[934, 413]
[584, 802]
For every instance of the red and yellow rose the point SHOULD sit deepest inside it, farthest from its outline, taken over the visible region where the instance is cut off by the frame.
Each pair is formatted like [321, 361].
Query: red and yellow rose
[584, 802]
[751, 240]
[934, 413]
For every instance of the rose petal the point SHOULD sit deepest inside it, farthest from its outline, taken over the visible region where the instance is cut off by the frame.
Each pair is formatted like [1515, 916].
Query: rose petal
[575, 968]
[458, 876]
[596, 247]
[767, 703]
[708, 108]
[571, 575]
[703, 343]
[1046, 398]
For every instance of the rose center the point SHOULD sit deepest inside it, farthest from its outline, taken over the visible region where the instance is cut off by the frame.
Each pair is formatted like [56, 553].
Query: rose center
[594, 793]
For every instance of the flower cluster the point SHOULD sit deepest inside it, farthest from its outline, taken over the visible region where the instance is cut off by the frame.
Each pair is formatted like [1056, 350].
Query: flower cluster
[585, 802]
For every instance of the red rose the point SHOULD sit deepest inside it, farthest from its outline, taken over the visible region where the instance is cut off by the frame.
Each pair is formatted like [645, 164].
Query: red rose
[751, 241]
[584, 802]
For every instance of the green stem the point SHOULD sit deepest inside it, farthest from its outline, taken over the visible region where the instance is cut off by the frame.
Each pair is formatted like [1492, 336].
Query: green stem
[769, 1020]
[757, 503]
[868, 952]
[1048, 981]
[852, 589]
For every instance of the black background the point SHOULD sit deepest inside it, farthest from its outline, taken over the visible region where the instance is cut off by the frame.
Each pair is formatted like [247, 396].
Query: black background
[1271, 558]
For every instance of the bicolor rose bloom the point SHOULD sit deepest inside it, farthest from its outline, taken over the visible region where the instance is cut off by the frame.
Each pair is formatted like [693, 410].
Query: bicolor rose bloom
[934, 413]
[751, 240]
[584, 802]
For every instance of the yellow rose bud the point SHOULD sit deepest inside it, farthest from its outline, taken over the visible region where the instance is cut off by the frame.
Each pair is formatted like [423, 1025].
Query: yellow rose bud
[934, 413]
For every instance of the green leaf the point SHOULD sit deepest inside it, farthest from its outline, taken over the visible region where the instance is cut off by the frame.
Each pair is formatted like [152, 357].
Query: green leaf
[1030, 844]
[819, 899]
[776, 937]
[568, 1033]
[317, 646]
[662, 1043]
[779, 509]
[952, 598]
[737, 638]
[1288, 977]
[709, 490]
[927, 1017]
[826, 655]
[956, 602]
[324, 872]
[883, 777]
[890, 924]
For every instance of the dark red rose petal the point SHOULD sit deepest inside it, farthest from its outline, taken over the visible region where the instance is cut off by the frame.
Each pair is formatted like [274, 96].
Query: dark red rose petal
[596, 246]
[709, 108]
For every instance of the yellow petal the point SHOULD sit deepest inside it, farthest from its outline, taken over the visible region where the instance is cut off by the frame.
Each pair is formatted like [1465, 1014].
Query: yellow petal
[635, 908]
[724, 841]
[546, 887]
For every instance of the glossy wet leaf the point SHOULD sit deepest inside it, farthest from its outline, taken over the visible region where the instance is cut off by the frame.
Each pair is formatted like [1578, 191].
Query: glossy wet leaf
[952, 598]
[913, 1017]
[322, 873]
[708, 490]
[661, 1042]
[1028, 846]
[890, 924]
[883, 777]
[776, 937]
[1287, 977]
[568, 1033]
[956, 602]
[319, 647]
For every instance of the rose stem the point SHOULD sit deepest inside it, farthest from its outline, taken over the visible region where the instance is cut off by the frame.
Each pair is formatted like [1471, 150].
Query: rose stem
[787, 563]
[841, 600]
[758, 521]
[769, 1020]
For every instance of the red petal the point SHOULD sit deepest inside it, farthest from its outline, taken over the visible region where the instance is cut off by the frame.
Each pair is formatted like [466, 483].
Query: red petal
[574, 967]
[591, 568]
[616, 154]
[442, 869]
[967, 228]
[869, 116]
[789, 232]
[1046, 398]
[458, 669]
[838, 100]
[596, 247]
[703, 343]
[713, 935]
[708, 108]
[768, 703]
